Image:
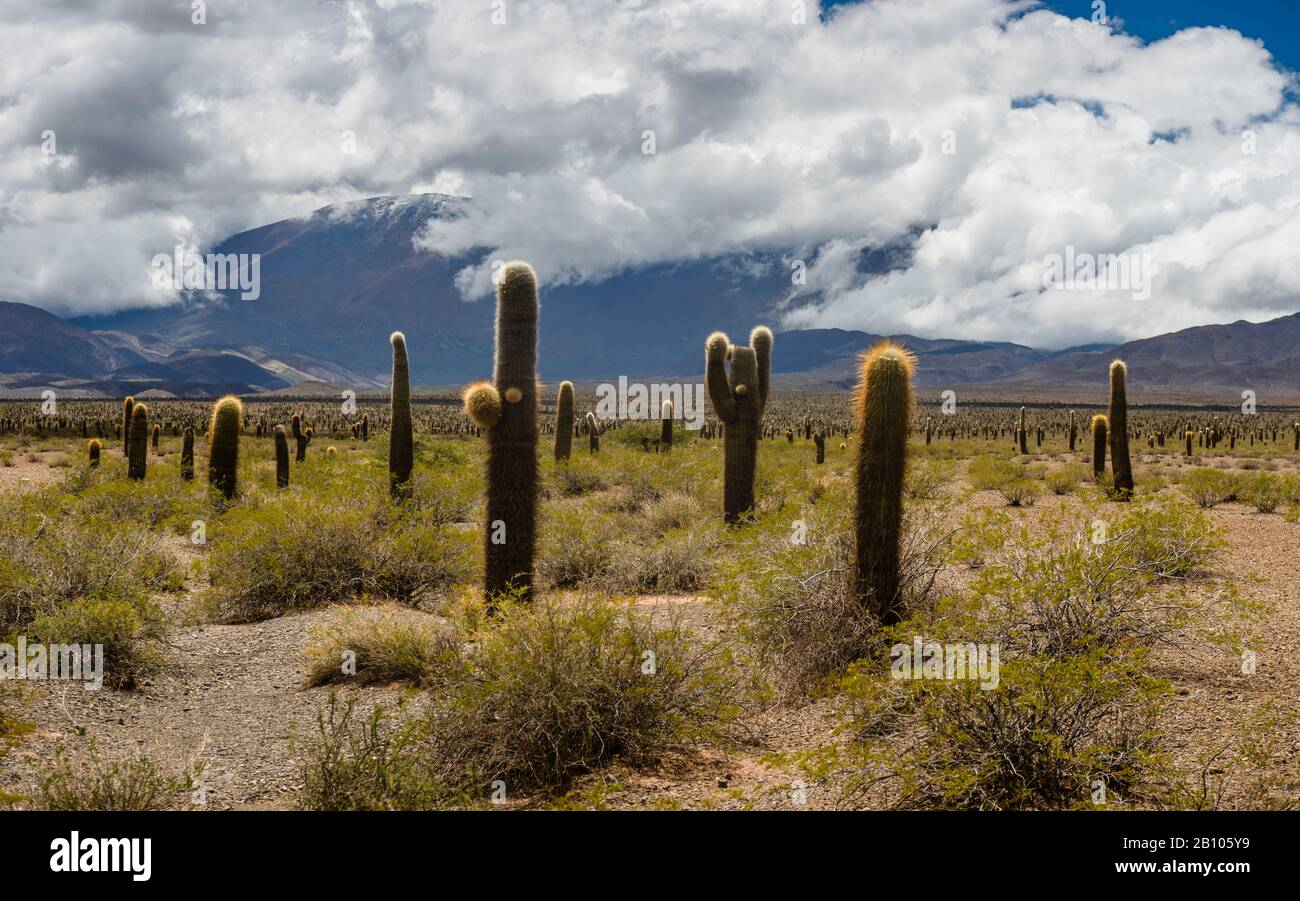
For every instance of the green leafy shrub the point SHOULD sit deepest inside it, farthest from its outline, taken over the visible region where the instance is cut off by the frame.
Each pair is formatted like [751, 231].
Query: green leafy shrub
[95, 784]
[1209, 487]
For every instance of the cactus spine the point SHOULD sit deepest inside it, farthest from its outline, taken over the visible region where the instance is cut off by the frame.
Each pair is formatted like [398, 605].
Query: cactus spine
[666, 424]
[401, 433]
[564, 421]
[281, 458]
[884, 410]
[1117, 424]
[738, 399]
[127, 406]
[506, 409]
[1098, 446]
[223, 451]
[138, 453]
[187, 454]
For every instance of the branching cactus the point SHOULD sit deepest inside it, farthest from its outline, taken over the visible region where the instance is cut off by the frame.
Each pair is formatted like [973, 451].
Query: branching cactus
[187, 455]
[401, 432]
[223, 451]
[738, 398]
[281, 458]
[1098, 446]
[666, 424]
[564, 421]
[127, 406]
[884, 412]
[138, 453]
[506, 410]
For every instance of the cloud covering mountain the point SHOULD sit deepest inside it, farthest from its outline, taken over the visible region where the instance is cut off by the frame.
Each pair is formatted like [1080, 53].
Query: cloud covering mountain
[774, 142]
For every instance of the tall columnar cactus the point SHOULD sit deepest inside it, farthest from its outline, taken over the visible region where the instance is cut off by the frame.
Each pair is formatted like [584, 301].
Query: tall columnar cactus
[738, 399]
[1074, 432]
[92, 449]
[401, 432]
[1189, 442]
[666, 424]
[1098, 446]
[593, 433]
[299, 437]
[127, 406]
[564, 421]
[138, 454]
[187, 454]
[281, 458]
[223, 451]
[365, 425]
[506, 409]
[1022, 434]
[157, 431]
[820, 440]
[884, 411]
[1117, 424]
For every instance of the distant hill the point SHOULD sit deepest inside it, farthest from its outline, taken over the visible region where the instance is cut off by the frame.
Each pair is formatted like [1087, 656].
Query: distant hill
[32, 340]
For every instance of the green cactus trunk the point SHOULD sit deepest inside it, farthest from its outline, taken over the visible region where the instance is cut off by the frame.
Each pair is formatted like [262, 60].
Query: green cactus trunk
[1098, 446]
[299, 437]
[564, 421]
[666, 424]
[281, 458]
[507, 410]
[593, 433]
[187, 454]
[223, 450]
[1074, 432]
[138, 453]
[738, 398]
[1117, 426]
[1021, 434]
[401, 434]
[127, 406]
[884, 411]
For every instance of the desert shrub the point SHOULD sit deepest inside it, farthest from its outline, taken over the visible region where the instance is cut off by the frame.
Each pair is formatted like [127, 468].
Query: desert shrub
[303, 552]
[980, 534]
[575, 544]
[672, 511]
[1019, 493]
[49, 558]
[556, 687]
[926, 480]
[988, 473]
[381, 646]
[1168, 538]
[1067, 478]
[133, 784]
[369, 764]
[679, 562]
[574, 480]
[1262, 491]
[443, 497]
[1052, 731]
[131, 633]
[1209, 487]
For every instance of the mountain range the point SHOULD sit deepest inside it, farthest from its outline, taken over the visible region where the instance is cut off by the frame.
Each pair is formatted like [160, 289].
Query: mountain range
[336, 283]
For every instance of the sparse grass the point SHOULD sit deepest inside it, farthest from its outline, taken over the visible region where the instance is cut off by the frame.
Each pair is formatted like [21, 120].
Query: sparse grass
[376, 646]
[92, 783]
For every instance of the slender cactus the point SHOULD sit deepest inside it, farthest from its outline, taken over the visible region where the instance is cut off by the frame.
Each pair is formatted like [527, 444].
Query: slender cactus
[1022, 435]
[593, 433]
[738, 399]
[223, 449]
[401, 432]
[820, 440]
[1117, 425]
[506, 409]
[281, 458]
[564, 421]
[187, 454]
[138, 454]
[666, 424]
[92, 449]
[127, 406]
[1099, 428]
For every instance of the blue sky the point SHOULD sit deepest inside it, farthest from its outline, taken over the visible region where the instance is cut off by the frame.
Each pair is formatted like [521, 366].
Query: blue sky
[1275, 22]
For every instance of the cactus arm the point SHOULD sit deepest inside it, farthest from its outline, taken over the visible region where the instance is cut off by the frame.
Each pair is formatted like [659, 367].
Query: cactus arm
[761, 340]
[715, 376]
